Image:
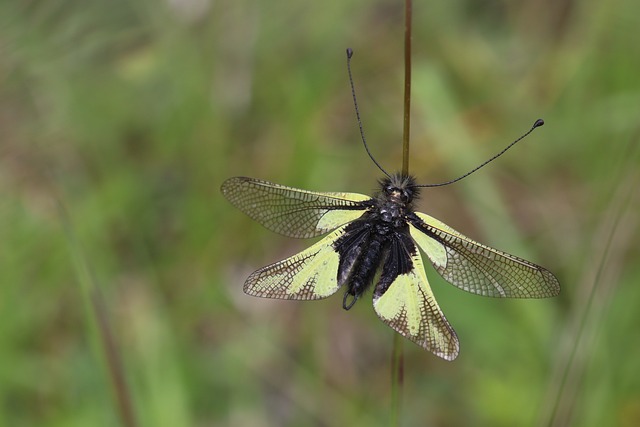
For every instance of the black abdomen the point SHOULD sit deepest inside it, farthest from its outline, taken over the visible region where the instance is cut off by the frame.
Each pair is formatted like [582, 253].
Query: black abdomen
[361, 250]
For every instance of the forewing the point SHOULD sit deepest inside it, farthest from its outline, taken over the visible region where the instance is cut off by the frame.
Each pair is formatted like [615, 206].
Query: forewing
[477, 268]
[308, 275]
[291, 211]
[407, 305]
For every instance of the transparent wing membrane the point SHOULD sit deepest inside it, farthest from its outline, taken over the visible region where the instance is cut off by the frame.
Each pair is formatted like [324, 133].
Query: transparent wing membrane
[482, 270]
[290, 211]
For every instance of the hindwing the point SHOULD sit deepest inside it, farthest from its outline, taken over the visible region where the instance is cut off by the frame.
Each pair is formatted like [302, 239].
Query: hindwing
[403, 300]
[307, 275]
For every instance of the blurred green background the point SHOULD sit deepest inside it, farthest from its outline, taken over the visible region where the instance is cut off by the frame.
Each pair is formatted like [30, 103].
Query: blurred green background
[119, 121]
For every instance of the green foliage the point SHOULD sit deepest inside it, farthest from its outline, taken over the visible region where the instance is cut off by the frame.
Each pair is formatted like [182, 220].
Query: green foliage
[130, 115]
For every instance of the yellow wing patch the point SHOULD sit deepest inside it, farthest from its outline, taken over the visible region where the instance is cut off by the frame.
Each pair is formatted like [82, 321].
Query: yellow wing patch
[308, 275]
[434, 249]
[335, 218]
[410, 308]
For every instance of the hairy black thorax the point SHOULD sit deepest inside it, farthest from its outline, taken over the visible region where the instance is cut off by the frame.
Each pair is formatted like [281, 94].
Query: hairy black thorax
[395, 199]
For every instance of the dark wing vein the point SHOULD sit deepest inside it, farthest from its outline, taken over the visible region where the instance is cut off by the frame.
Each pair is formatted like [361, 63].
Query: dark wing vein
[482, 270]
[290, 211]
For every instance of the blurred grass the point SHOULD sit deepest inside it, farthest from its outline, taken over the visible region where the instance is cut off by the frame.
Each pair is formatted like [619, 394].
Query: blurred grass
[134, 113]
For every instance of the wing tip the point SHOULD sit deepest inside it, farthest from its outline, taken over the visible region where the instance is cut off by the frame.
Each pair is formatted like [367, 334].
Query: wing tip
[449, 357]
[450, 350]
[230, 185]
[552, 288]
[554, 283]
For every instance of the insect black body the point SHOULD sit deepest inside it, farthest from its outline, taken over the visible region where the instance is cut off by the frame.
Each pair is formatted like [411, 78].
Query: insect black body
[380, 238]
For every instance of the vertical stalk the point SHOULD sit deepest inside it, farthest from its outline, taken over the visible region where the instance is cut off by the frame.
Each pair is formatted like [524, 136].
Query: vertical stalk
[407, 87]
[397, 357]
[397, 379]
[99, 327]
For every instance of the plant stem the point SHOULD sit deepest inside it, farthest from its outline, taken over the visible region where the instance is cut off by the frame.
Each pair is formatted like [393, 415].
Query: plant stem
[100, 327]
[397, 379]
[397, 357]
[407, 87]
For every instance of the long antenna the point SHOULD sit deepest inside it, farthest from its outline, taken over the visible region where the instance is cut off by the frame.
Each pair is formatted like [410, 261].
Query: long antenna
[355, 103]
[537, 124]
